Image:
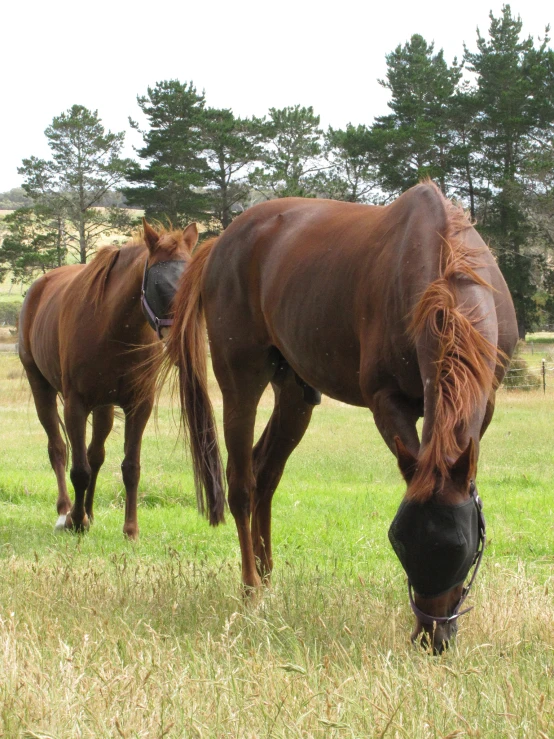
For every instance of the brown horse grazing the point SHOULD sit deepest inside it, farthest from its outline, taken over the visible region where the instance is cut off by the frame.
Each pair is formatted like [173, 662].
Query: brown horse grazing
[401, 309]
[84, 334]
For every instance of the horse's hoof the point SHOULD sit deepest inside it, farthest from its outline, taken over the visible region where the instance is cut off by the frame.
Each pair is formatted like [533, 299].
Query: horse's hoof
[81, 528]
[253, 594]
[60, 524]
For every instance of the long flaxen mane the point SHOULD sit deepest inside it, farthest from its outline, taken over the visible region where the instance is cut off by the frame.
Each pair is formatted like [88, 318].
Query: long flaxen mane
[465, 368]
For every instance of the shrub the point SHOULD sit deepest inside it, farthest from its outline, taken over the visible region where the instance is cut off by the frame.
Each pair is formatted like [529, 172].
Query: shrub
[9, 313]
[519, 375]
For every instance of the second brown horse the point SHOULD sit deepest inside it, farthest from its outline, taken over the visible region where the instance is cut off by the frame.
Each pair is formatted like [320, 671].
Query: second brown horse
[83, 334]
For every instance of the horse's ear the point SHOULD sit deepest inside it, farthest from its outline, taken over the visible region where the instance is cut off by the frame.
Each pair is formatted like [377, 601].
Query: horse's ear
[406, 460]
[151, 237]
[464, 468]
[190, 236]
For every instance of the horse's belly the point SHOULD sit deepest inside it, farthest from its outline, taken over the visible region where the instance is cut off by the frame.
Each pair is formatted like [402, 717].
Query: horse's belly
[331, 367]
[45, 349]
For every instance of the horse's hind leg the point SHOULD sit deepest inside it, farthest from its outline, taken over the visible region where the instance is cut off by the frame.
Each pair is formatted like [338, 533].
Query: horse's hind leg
[45, 397]
[135, 423]
[102, 423]
[75, 415]
[242, 380]
[286, 427]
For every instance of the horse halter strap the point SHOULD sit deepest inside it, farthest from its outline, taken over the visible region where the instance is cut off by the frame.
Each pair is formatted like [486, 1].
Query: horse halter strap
[158, 323]
[425, 618]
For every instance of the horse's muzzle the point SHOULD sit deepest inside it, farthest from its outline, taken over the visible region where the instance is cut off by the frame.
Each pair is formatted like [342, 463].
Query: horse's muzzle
[436, 638]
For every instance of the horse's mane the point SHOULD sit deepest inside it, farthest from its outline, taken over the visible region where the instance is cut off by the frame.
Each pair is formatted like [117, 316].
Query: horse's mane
[96, 273]
[467, 360]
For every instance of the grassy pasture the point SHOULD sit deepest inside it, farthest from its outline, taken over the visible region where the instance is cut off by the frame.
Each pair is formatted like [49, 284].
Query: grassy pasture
[103, 638]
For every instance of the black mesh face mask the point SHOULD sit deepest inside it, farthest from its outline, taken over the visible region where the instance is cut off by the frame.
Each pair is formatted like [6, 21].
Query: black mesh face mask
[437, 544]
[159, 286]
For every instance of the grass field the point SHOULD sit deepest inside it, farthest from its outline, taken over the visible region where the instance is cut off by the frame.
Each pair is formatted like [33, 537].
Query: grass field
[100, 637]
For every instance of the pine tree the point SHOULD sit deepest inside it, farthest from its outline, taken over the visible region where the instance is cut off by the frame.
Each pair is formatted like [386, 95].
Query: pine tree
[515, 100]
[34, 242]
[85, 166]
[170, 185]
[352, 173]
[415, 140]
[230, 145]
[291, 154]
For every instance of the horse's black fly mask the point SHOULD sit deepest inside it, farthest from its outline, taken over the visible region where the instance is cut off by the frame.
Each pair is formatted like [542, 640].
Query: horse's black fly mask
[437, 546]
[159, 285]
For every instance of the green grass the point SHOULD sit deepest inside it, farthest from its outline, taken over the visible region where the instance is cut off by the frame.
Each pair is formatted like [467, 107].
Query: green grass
[541, 337]
[10, 293]
[102, 638]
[13, 297]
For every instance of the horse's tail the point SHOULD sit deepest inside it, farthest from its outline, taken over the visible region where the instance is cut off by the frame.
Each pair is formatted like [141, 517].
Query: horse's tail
[186, 348]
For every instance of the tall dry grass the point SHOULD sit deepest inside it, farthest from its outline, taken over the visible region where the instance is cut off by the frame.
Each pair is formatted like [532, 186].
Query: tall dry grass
[120, 647]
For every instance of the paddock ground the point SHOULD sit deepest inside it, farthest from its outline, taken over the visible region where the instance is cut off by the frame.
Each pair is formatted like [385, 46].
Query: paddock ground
[100, 637]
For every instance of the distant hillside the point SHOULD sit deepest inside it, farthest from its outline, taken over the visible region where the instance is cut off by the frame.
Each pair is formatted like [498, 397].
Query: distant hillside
[17, 198]
[14, 198]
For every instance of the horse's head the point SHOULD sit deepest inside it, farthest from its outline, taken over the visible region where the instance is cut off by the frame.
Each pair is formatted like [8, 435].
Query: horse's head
[168, 254]
[437, 542]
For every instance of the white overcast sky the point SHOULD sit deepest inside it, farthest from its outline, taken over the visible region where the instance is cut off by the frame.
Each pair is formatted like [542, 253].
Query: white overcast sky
[246, 55]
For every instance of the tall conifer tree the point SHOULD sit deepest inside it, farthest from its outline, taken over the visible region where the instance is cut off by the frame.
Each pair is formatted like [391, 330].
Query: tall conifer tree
[169, 186]
[86, 164]
[415, 140]
[515, 121]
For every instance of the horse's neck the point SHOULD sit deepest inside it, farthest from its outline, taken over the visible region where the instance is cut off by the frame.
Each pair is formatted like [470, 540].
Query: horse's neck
[124, 289]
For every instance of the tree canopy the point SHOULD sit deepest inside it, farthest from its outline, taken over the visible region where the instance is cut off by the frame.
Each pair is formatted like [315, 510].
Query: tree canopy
[482, 128]
[169, 185]
[85, 165]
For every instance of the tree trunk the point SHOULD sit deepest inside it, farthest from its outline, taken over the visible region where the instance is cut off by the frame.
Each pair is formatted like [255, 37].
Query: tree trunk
[82, 240]
[471, 191]
[521, 326]
[225, 210]
[59, 246]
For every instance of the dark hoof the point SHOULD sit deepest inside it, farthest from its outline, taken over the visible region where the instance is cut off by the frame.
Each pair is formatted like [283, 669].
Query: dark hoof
[78, 528]
[131, 532]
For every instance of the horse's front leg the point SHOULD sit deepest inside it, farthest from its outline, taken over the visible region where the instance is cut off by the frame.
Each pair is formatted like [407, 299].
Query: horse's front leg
[396, 415]
[102, 422]
[75, 416]
[135, 423]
